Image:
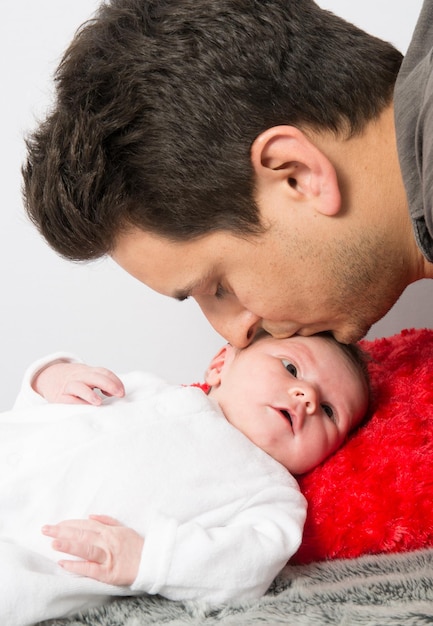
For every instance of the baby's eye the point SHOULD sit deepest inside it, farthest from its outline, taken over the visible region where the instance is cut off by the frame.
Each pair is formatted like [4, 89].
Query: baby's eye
[329, 411]
[290, 367]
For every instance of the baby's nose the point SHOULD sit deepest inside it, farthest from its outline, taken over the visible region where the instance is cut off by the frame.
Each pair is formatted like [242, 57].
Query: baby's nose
[305, 396]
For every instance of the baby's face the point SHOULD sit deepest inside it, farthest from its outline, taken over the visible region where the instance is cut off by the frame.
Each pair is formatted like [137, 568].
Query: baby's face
[296, 398]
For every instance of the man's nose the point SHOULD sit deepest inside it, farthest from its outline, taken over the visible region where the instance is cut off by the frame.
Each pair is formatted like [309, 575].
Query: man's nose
[241, 329]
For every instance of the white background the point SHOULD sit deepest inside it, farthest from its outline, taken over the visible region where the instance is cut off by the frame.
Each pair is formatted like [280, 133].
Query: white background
[97, 310]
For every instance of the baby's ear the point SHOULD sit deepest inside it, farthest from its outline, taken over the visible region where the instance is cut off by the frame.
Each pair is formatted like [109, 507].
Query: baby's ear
[213, 372]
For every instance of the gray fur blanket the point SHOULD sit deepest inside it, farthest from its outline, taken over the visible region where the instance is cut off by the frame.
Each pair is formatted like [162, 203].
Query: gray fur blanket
[384, 590]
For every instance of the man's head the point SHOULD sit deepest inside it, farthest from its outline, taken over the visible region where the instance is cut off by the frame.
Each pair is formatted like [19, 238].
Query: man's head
[295, 398]
[170, 116]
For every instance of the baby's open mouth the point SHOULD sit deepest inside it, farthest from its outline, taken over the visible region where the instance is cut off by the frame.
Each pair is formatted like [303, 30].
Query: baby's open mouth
[287, 416]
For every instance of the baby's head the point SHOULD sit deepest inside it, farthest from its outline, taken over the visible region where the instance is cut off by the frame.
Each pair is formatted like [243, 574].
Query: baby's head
[296, 398]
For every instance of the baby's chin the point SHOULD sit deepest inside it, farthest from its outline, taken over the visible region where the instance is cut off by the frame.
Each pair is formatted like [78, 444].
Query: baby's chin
[303, 467]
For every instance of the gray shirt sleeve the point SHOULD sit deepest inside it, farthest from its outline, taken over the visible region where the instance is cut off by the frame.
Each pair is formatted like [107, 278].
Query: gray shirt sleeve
[413, 101]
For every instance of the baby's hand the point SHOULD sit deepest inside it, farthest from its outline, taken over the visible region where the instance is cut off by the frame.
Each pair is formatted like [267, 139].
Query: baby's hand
[111, 552]
[75, 383]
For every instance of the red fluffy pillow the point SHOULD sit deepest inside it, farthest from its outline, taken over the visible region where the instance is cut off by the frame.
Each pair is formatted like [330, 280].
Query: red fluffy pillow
[375, 494]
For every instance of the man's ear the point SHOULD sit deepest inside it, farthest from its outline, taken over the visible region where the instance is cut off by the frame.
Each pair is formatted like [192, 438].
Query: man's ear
[284, 156]
[213, 372]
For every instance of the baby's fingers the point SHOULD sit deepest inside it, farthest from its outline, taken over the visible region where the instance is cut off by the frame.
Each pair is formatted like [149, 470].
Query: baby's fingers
[81, 549]
[107, 381]
[111, 552]
[84, 568]
[106, 520]
[77, 392]
[73, 530]
[84, 389]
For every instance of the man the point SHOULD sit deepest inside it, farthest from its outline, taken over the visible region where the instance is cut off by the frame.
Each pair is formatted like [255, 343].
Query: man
[252, 155]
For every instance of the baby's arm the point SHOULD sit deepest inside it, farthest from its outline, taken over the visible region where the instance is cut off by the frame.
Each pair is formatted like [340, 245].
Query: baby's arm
[110, 552]
[75, 383]
[182, 561]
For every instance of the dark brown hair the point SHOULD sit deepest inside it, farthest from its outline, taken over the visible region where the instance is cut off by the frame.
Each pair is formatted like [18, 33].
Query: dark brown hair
[158, 102]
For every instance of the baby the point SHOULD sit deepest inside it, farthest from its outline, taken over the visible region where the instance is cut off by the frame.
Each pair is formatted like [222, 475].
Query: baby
[200, 501]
